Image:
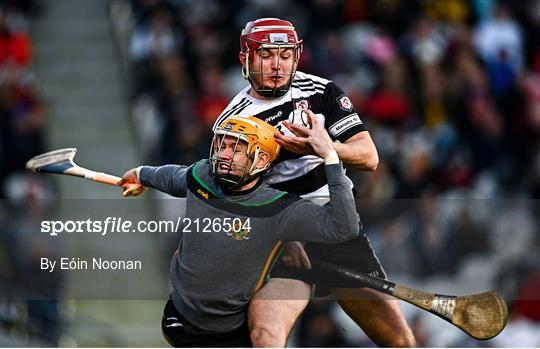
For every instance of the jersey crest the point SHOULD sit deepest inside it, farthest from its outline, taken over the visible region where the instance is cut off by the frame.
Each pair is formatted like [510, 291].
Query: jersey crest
[238, 232]
[344, 103]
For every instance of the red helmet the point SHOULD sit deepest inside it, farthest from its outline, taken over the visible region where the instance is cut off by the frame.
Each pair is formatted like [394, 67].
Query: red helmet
[269, 33]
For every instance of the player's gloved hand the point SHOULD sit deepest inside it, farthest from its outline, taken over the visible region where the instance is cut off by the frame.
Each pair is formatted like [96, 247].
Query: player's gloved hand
[131, 184]
[295, 255]
[314, 140]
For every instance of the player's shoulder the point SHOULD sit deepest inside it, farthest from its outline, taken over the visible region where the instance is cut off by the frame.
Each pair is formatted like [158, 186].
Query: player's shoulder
[305, 77]
[309, 84]
[240, 102]
[201, 171]
[302, 79]
[241, 97]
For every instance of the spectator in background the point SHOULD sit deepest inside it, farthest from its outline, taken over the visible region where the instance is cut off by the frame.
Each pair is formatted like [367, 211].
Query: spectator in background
[528, 301]
[211, 100]
[29, 198]
[520, 280]
[499, 42]
[22, 114]
[155, 37]
[27, 8]
[22, 120]
[182, 130]
[15, 47]
[389, 103]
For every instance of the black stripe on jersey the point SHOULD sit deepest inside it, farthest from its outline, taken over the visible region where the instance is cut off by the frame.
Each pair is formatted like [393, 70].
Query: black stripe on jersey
[308, 79]
[305, 184]
[308, 87]
[236, 109]
[257, 210]
[242, 107]
[305, 89]
[308, 82]
[235, 106]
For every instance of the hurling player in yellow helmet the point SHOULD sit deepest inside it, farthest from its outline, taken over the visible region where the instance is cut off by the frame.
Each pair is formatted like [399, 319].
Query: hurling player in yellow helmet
[234, 227]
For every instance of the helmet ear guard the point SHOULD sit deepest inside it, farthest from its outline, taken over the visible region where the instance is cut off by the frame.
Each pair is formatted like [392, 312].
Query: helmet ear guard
[245, 71]
[254, 170]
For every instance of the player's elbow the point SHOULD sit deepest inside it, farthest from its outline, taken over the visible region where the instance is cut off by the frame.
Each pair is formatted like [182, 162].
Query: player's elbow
[354, 229]
[347, 231]
[373, 161]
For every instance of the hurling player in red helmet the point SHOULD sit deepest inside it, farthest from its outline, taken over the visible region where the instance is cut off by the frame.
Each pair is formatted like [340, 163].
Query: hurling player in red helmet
[287, 98]
[268, 78]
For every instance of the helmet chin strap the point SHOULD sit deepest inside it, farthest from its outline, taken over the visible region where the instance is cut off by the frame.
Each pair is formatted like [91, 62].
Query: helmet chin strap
[273, 92]
[233, 182]
[229, 181]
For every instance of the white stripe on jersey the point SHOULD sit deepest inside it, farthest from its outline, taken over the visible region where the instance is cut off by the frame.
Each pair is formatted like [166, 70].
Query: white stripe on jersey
[301, 76]
[344, 124]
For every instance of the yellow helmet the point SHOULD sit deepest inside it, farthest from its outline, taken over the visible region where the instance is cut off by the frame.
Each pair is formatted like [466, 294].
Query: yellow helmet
[258, 135]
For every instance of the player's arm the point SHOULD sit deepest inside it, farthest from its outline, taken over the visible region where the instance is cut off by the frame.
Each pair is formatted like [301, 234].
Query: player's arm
[305, 220]
[355, 147]
[170, 179]
[335, 222]
[358, 152]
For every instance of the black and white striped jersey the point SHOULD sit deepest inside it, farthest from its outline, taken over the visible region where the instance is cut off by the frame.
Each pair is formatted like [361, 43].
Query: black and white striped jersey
[301, 175]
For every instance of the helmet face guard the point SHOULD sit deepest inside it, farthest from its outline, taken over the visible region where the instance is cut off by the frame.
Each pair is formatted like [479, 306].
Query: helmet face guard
[229, 179]
[269, 33]
[248, 71]
[256, 135]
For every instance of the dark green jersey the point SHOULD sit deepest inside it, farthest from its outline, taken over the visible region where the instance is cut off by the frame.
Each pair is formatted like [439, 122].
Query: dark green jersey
[232, 240]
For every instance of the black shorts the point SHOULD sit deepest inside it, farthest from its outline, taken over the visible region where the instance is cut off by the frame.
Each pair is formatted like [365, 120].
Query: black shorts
[355, 254]
[175, 330]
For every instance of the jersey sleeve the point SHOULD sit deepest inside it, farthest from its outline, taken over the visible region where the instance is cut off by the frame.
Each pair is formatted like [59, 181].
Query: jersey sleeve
[341, 119]
[336, 222]
[170, 179]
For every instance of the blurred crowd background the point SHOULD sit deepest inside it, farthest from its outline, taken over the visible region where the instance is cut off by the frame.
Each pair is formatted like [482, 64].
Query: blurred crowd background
[450, 93]
[23, 124]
